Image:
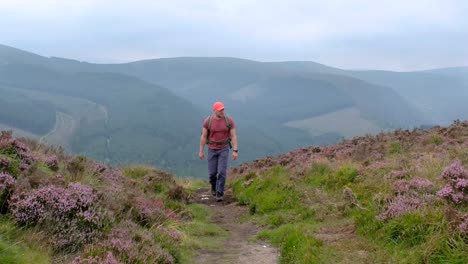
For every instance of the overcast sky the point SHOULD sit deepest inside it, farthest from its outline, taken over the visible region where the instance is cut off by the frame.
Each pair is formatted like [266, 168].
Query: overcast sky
[355, 34]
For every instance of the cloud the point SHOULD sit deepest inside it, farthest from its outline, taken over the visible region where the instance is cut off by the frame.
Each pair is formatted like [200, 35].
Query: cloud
[113, 31]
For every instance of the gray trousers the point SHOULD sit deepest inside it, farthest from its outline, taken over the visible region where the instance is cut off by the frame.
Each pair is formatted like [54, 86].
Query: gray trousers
[217, 167]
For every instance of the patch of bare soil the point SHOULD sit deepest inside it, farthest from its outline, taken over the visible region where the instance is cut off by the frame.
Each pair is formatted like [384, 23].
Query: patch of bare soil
[237, 248]
[332, 235]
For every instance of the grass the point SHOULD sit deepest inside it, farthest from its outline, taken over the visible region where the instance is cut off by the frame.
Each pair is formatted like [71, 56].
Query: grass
[395, 148]
[321, 175]
[296, 242]
[13, 167]
[199, 233]
[266, 194]
[16, 246]
[275, 203]
[436, 139]
[192, 184]
[292, 209]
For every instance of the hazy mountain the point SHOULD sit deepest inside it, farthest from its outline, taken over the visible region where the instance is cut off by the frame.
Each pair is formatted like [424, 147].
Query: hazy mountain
[442, 98]
[461, 72]
[439, 94]
[151, 111]
[124, 120]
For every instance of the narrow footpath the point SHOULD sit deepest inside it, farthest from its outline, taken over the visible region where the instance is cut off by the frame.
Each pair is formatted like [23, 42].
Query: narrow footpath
[240, 246]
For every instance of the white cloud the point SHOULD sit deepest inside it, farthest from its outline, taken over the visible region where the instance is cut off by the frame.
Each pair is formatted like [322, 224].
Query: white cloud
[262, 29]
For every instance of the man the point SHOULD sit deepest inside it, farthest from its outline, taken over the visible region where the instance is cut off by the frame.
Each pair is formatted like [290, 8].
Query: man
[219, 132]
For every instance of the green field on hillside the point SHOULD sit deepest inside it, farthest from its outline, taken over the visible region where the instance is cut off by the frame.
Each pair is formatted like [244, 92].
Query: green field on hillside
[349, 122]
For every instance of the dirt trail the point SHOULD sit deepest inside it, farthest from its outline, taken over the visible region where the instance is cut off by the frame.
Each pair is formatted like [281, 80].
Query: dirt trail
[237, 248]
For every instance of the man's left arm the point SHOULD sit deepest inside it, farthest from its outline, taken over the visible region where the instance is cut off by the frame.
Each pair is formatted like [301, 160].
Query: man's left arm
[234, 143]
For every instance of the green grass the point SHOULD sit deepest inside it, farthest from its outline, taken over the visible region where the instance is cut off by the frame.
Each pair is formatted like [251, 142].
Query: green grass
[16, 247]
[296, 243]
[418, 237]
[320, 175]
[13, 167]
[446, 248]
[272, 191]
[436, 139]
[291, 209]
[411, 229]
[192, 184]
[136, 172]
[199, 233]
[44, 169]
[275, 202]
[157, 181]
[395, 148]
[349, 123]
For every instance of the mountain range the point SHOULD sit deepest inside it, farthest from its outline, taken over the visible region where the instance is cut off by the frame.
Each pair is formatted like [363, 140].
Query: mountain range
[151, 111]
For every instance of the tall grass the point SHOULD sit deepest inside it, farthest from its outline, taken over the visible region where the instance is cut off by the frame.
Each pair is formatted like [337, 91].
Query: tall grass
[17, 245]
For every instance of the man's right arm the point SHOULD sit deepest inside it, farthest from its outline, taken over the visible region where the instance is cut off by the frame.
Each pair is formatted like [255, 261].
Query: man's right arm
[203, 136]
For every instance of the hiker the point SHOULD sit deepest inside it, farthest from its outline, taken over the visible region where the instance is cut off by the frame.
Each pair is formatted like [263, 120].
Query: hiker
[219, 132]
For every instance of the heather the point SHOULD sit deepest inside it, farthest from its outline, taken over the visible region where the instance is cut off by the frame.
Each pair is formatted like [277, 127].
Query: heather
[398, 197]
[70, 209]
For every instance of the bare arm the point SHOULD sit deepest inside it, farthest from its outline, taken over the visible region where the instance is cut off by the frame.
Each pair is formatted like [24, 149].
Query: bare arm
[203, 136]
[233, 138]
[234, 144]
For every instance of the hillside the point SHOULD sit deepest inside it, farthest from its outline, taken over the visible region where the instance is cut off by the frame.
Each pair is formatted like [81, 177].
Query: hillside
[288, 94]
[150, 111]
[282, 94]
[398, 197]
[57, 208]
[111, 117]
[438, 94]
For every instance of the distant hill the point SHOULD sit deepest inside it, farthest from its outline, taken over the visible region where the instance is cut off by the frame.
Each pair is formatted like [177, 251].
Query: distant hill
[440, 95]
[151, 111]
[461, 72]
[124, 120]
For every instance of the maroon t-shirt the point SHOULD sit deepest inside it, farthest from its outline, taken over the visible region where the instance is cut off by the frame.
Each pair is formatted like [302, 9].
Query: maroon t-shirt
[219, 131]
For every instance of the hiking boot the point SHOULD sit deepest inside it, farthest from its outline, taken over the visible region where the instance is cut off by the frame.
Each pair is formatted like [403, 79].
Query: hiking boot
[213, 190]
[219, 197]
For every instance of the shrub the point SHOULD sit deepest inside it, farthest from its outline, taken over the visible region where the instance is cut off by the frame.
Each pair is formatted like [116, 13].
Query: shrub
[10, 165]
[110, 259]
[458, 221]
[99, 167]
[456, 191]
[151, 211]
[130, 244]
[412, 187]
[12, 146]
[67, 214]
[178, 193]
[7, 183]
[400, 206]
[76, 166]
[52, 163]
[4, 164]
